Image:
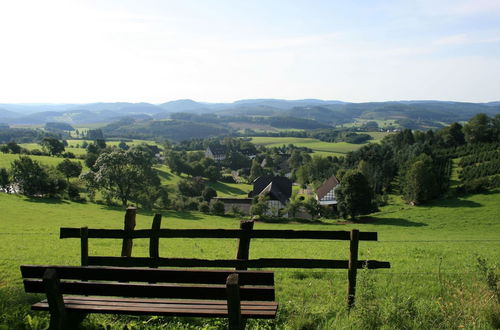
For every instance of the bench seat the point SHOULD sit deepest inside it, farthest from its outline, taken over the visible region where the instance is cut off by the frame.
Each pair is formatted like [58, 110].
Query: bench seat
[162, 307]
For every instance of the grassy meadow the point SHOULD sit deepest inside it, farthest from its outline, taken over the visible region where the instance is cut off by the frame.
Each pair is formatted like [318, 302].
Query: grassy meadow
[319, 147]
[434, 281]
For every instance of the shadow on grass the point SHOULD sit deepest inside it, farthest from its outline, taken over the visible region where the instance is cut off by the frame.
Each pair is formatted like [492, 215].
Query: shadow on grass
[298, 220]
[46, 200]
[455, 202]
[225, 189]
[164, 175]
[391, 222]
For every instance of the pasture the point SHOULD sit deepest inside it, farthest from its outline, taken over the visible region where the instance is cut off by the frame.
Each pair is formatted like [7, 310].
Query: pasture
[434, 281]
[319, 147]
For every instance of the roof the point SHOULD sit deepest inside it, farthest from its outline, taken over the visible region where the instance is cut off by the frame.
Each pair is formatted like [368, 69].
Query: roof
[327, 186]
[274, 193]
[229, 200]
[218, 150]
[278, 187]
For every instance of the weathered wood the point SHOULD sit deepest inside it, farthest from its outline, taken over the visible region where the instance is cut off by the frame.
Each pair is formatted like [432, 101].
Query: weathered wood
[200, 308]
[244, 242]
[58, 315]
[218, 233]
[173, 291]
[353, 268]
[154, 241]
[233, 302]
[129, 225]
[233, 263]
[193, 276]
[84, 245]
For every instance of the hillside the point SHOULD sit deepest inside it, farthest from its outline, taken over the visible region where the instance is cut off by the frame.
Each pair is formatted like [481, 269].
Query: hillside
[411, 114]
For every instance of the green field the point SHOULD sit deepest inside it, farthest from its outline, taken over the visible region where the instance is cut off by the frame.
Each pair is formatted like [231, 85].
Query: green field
[320, 147]
[6, 160]
[433, 282]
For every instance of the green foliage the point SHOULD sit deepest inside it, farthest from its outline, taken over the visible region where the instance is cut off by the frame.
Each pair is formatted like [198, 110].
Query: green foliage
[191, 187]
[32, 179]
[122, 174]
[4, 180]
[354, 196]
[217, 208]
[293, 206]
[312, 207]
[259, 206]
[204, 207]
[58, 126]
[209, 193]
[52, 145]
[421, 181]
[69, 169]
[482, 129]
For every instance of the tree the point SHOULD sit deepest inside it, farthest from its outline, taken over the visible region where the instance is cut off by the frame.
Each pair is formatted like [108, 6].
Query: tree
[354, 195]
[293, 206]
[260, 206]
[312, 207]
[255, 171]
[208, 194]
[453, 135]
[35, 180]
[52, 145]
[480, 128]
[69, 169]
[4, 180]
[420, 181]
[122, 174]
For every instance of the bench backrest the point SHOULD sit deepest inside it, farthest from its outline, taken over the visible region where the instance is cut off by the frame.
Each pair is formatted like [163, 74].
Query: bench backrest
[150, 283]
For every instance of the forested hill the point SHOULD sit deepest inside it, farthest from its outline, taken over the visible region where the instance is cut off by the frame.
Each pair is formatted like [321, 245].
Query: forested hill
[325, 112]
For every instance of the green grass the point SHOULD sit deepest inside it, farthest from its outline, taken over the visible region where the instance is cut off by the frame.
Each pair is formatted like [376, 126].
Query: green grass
[432, 283]
[7, 159]
[321, 147]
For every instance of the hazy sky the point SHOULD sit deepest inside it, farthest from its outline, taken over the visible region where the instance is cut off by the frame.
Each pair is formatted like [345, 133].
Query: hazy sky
[156, 51]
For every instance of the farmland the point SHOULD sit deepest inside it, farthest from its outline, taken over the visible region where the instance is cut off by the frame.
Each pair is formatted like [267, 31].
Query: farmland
[433, 282]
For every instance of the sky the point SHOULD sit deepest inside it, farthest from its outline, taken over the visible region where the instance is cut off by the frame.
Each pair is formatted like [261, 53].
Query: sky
[73, 51]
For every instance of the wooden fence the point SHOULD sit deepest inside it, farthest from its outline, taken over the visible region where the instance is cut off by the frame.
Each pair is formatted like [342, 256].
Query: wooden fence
[244, 235]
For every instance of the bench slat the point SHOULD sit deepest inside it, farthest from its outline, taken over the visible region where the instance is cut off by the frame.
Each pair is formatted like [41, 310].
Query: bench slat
[233, 263]
[141, 307]
[217, 292]
[219, 233]
[150, 275]
[183, 301]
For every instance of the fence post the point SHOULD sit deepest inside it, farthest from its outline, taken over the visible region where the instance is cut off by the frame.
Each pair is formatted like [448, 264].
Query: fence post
[353, 267]
[128, 227]
[154, 240]
[84, 245]
[244, 243]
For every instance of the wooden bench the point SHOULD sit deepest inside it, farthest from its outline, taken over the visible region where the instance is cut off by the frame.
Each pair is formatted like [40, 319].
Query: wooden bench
[72, 292]
[242, 261]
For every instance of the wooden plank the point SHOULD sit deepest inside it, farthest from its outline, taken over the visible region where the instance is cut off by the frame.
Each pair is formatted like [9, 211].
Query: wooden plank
[216, 292]
[149, 310]
[129, 225]
[244, 242]
[219, 233]
[159, 301]
[233, 302]
[233, 263]
[154, 242]
[51, 287]
[192, 276]
[84, 246]
[352, 271]
[164, 304]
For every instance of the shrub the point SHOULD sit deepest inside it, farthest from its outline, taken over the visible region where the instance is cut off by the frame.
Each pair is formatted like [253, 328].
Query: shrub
[218, 208]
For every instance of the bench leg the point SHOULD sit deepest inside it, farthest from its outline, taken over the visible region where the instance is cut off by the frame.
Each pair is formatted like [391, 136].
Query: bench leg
[58, 315]
[236, 322]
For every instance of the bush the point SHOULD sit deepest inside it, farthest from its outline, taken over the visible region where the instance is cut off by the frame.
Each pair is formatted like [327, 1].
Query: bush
[204, 207]
[218, 208]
